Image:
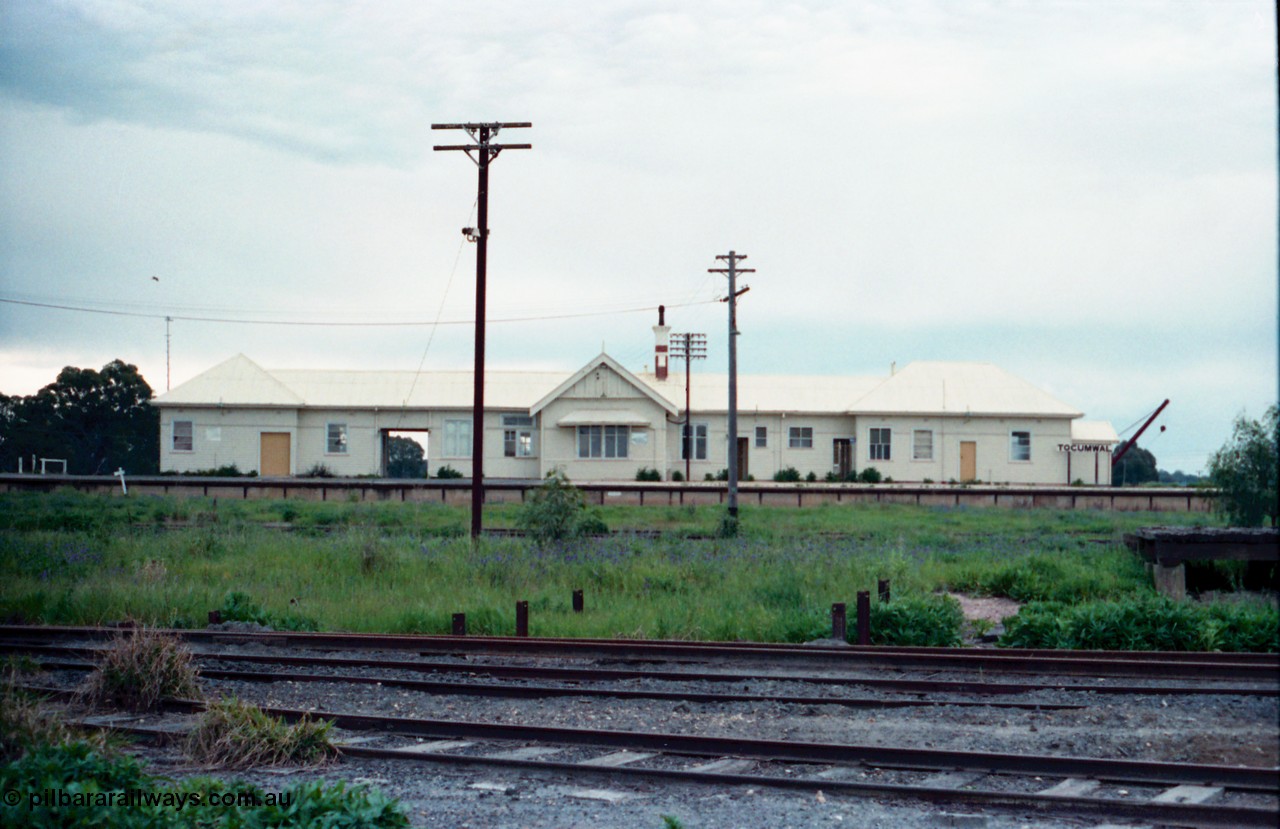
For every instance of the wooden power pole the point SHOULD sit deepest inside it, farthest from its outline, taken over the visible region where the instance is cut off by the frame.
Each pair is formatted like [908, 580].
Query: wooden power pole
[482, 152]
[732, 272]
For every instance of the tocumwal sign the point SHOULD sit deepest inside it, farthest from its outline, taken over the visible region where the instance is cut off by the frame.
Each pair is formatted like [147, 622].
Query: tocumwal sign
[1084, 447]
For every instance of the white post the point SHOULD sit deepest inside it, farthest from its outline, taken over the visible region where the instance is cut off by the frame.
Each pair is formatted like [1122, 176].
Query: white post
[119, 473]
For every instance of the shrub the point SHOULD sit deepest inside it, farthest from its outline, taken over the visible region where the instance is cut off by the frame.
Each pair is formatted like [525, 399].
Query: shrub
[557, 510]
[448, 472]
[933, 621]
[1145, 623]
[646, 474]
[677, 476]
[236, 734]
[870, 475]
[787, 475]
[811, 477]
[317, 470]
[138, 670]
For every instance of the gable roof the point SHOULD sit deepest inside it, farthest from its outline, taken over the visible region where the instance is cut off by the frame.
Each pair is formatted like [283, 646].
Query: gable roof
[959, 388]
[603, 360]
[921, 388]
[238, 381]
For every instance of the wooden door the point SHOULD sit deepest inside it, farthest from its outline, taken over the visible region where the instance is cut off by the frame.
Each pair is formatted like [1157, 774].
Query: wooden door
[743, 447]
[274, 458]
[842, 456]
[968, 460]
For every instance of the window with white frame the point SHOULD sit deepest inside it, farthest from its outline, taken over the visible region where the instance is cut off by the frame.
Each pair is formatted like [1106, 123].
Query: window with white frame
[762, 437]
[878, 447]
[800, 437]
[603, 441]
[457, 438]
[517, 436]
[922, 445]
[183, 436]
[696, 434]
[1019, 446]
[336, 441]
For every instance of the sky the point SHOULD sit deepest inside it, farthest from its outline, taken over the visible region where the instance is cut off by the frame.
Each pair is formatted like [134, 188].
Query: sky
[1083, 193]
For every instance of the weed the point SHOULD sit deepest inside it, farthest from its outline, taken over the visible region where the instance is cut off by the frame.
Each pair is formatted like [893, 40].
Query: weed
[138, 670]
[317, 470]
[557, 510]
[235, 734]
[917, 621]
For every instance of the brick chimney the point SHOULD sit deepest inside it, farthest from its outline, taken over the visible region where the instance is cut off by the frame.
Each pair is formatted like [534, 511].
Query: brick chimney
[661, 337]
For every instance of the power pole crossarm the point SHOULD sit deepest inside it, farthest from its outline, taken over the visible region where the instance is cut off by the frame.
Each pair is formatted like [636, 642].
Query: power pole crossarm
[732, 272]
[482, 151]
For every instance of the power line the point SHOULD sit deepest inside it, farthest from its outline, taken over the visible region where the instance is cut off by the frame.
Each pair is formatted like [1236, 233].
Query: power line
[316, 323]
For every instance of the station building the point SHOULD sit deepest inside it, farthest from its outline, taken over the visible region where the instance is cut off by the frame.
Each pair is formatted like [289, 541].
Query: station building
[927, 422]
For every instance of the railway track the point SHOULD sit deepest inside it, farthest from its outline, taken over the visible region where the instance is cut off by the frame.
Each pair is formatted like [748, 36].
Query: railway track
[1264, 668]
[1162, 793]
[439, 670]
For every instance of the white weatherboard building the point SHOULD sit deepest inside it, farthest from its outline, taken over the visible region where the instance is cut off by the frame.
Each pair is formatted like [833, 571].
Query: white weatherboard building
[930, 421]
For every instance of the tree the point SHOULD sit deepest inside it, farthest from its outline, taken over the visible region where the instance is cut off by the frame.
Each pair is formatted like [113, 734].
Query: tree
[1138, 466]
[1245, 470]
[405, 458]
[96, 420]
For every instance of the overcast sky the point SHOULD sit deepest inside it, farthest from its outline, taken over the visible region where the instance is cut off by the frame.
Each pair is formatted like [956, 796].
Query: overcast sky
[1083, 193]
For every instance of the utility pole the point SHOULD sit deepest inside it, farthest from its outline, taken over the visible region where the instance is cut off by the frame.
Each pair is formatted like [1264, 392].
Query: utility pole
[167, 320]
[732, 271]
[688, 347]
[482, 151]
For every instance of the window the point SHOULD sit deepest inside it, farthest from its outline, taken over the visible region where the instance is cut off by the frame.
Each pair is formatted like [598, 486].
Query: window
[800, 437]
[762, 437]
[337, 440]
[699, 442]
[1019, 446]
[183, 440]
[878, 446]
[922, 445]
[603, 441]
[457, 438]
[516, 442]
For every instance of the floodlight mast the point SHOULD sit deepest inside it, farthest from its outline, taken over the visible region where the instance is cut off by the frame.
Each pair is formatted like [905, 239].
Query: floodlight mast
[688, 347]
[732, 272]
[482, 151]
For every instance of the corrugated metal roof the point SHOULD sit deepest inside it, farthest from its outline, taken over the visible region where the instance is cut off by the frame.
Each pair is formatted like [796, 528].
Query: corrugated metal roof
[1093, 431]
[959, 388]
[765, 392]
[919, 388]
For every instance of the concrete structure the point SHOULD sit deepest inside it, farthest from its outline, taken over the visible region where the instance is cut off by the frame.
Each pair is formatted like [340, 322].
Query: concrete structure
[930, 421]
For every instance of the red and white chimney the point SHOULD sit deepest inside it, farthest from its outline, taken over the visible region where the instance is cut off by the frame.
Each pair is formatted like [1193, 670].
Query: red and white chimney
[661, 339]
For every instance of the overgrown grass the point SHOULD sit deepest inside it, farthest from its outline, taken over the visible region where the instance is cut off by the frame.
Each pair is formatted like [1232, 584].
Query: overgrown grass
[139, 669]
[388, 567]
[238, 735]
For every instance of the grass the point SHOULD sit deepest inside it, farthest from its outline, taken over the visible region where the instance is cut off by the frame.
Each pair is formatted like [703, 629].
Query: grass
[139, 669]
[401, 567]
[238, 735]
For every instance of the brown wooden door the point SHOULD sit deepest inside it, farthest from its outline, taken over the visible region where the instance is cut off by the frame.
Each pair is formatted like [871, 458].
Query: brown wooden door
[968, 460]
[842, 456]
[274, 458]
[744, 445]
